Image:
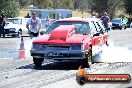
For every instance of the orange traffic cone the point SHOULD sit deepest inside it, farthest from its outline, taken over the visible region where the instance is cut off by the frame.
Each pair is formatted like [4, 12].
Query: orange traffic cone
[22, 49]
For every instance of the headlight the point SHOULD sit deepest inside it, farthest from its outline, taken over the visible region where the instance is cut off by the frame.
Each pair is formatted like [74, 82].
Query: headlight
[12, 29]
[37, 46]
[76, 46]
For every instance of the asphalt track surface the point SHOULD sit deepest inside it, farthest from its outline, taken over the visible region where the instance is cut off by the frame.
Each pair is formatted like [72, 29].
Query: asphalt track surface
[20, 73]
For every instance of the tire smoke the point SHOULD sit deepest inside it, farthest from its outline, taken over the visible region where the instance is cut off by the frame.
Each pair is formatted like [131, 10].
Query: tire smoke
[114, 53]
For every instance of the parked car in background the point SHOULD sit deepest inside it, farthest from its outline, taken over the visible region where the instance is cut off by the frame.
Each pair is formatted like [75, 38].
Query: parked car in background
[118, 23]
[18, 24]
[12, 29]
[77, 39]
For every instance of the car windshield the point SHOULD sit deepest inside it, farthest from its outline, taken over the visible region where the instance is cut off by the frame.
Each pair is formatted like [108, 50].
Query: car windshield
[82, 27]
[14, 21]
[116, 20]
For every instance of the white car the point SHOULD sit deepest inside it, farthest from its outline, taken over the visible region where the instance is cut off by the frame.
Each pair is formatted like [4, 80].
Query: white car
[12, 29]
[15, 26]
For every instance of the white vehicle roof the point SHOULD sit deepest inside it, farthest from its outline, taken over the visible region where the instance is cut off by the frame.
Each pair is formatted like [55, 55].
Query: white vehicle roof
[18, 20]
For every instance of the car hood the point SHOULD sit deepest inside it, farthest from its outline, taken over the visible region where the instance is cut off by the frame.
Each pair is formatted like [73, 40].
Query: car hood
[61, 35]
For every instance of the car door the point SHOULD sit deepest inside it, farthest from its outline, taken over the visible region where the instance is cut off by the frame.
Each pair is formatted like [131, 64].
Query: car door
[97, 34]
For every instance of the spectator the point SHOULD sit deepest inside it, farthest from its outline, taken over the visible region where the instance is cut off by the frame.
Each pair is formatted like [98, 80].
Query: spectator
[124, 19]
[2, 23]
[105, 19]
[131, 25]
[28, 16]
[33, 26]
[47, 20]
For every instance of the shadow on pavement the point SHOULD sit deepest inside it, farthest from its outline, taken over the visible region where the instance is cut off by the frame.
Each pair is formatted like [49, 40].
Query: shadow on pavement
[54, 66]
[59, 65]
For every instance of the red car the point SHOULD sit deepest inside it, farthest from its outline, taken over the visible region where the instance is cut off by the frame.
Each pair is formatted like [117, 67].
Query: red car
[70, 39]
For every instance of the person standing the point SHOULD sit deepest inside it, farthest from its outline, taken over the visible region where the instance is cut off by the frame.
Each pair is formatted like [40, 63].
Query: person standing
[2, 23]
[33, 25]
[28, 16]
[47, 20]
[105, 19]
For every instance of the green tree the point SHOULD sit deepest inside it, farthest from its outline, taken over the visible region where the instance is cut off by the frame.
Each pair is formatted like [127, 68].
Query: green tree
[24, 3]
[128, 6]
[68, 4]
[62, 4]
[41, 3]
[109, 6]
[10, 7]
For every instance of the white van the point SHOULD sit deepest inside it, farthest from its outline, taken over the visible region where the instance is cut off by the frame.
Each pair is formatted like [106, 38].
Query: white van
[52, 14]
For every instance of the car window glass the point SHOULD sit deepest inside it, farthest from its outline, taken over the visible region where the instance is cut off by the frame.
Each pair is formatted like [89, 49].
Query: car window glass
[14, 21]
[116, 20]
[82, 27]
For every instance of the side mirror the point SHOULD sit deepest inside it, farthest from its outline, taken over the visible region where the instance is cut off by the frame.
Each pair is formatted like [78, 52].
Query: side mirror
[42, 32]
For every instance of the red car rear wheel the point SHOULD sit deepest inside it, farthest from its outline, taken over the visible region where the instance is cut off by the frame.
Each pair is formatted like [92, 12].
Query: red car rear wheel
[38, 61]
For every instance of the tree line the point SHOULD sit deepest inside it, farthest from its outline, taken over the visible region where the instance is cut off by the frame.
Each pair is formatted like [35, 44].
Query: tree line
[12, 7]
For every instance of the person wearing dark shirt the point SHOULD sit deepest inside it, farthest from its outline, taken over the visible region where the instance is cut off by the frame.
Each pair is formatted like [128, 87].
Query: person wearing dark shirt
[105, 19]
[28, 16]
[2, 24]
